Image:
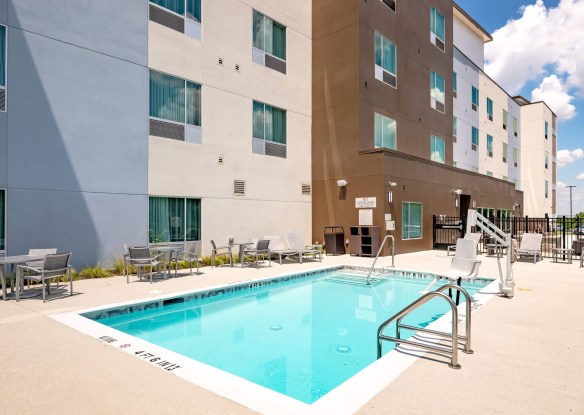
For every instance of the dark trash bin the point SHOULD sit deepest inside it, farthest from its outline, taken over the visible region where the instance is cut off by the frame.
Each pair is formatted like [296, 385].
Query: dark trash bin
[334, 240]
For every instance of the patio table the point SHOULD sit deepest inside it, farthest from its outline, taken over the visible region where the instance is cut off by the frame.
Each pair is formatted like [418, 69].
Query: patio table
[168, 251]
[242, 246]
[12, 261]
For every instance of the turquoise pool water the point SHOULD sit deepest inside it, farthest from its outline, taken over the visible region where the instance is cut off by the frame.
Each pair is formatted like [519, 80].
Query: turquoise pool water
[301, 338]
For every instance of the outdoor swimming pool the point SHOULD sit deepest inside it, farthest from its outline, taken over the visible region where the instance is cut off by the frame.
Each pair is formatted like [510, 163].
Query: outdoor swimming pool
[301, 336]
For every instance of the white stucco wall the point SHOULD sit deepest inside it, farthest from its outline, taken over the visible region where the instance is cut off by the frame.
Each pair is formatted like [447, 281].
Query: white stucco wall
[468, 41]
[273, 201]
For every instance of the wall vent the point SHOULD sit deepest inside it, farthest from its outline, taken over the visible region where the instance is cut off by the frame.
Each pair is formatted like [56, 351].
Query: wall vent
[437, 42]
[237, 67]
[515, 163]
[515, 133]
[389, 3]
[220, 160]
[306, 190]
[2, 99]
[167, 130]
[504, 126]
[276, 150]
[220, 61]
[390, 79]
[454, 139]
[167, 19]
[454, 94]
[474, 147]
[490, 117]
[473, 106]
[239, 187]
[504, 159]
[275, 63]
[490, 154]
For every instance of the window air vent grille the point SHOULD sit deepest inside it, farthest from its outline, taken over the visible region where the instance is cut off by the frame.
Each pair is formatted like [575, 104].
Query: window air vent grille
[504, 159]
[276, 64]
[237, 67]
[490, 117]
[2, 100]
[515, 163]
[474, 147]
[439, 44]
[306, 190]
[276, 150]
[167, 130]
[504, 126]
[239, 187]
[454, 94]
[515, 133]
[390, 79]
[167, 19]
[490, 154]
[440, 106]
[474, 107]
[220, 61]
[454, 139]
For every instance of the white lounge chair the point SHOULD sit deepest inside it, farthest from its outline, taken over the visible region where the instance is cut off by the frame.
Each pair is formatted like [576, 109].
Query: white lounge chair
[296, 243]
[530, 245]
[471, 235]
[277, 247]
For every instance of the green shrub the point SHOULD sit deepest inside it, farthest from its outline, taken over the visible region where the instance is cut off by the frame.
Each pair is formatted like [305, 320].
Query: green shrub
[95, 271]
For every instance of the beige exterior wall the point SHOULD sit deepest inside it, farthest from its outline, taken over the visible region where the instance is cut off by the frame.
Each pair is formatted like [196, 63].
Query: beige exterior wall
[273, 201]
[534, 147]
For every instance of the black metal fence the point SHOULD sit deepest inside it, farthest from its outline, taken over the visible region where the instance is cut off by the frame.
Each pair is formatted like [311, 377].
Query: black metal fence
[559, 232]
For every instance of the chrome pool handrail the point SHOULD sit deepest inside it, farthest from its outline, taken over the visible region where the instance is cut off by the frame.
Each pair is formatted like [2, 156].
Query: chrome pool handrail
[379, 252]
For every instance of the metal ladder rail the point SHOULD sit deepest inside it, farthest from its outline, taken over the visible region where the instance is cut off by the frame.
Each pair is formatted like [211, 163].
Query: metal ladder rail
[453, 351]
[379, 252]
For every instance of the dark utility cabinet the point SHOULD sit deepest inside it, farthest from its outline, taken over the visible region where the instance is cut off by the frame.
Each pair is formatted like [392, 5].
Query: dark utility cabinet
[364, 240]
[334, 240]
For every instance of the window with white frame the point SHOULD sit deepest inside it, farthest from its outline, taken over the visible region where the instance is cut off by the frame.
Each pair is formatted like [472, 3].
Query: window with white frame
[175, 108]
[515, 157]
[454, 127]
[546, 160]
[385, 132]
[515, 128]
[454, 85]
[437, 99]
[505, 152]
[546, 189]
[174, 219]
[389, 3]
[269, 130]
[505, 119]
[385, 60]
[269, 43]
[489, 145]
[475, 98]
[475, 138]
[546, 127]
[181, 15]
[489, 173]
[437, 149]
[411, 220]
[2, 68]
[437, 29]
[490, 109]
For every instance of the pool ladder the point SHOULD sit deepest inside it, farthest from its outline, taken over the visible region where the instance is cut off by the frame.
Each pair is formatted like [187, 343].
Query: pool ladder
[453, 336]
[379, 252]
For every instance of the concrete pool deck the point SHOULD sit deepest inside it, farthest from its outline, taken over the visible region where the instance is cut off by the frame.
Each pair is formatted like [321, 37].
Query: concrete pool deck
[527, 350]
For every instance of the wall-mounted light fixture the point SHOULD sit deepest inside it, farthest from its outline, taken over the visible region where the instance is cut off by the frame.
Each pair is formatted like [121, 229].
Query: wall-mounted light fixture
[456, 194]
[342, 183]
[390, 193]
[474, 204]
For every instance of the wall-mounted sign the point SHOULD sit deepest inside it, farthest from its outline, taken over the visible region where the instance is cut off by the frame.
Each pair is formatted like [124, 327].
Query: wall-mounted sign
[365, 202]
[366, 217]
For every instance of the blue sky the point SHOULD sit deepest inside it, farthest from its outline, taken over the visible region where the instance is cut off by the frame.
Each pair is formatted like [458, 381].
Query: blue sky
[538, 52]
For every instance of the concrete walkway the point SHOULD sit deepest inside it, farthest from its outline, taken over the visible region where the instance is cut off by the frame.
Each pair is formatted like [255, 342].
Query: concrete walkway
[527, 351]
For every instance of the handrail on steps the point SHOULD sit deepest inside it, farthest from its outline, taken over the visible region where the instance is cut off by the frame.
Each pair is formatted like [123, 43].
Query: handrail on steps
[454, 334]
[379, 252]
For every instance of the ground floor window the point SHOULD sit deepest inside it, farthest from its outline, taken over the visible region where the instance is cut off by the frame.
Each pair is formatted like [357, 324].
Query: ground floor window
[2, 219]
[174, 219]
[411, 220]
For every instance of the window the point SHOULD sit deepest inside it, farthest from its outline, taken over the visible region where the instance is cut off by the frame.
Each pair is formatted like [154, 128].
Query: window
[505, 119]
[385, 60]
[474, 169]
[475, 98]
[181, 15]
[269, 43]
[269, 130]
[453, 163]
[437, 149]
[454, 126]
[2, 220]
[389, 3]
[546, 126]
[2, 68]
[454, 86]
[546, 161]
[176, 100]
[515, 131]
[475, 138]
[437, 36]
[437, 92]
[411, 220]
[490, 108]
[173, 219]
[546, 189]
[505, 152]
[515, 157]
[490, 145]
[489, 173]
[385, 132]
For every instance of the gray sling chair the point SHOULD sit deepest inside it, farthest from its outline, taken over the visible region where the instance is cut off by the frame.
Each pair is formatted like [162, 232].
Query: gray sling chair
[54, 265]
[141, 257]
[188, 254]
[261, 249]
[221, 250]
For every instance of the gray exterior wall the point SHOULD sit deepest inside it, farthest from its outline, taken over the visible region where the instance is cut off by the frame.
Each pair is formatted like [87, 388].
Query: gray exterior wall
[75, 135]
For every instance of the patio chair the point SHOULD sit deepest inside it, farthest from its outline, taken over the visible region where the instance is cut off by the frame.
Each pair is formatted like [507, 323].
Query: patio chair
[36, 252]
[141, 257]
[189, 254]
[475, 236]
[277, 248]
[296, 243]
[54, 265]
[260, 249]
[530, 245]
[220, 251]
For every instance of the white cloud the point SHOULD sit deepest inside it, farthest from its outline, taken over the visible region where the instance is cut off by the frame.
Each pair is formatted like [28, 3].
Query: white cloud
[541, 41]
[566, 157]
[555, 94]
[580, 176]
